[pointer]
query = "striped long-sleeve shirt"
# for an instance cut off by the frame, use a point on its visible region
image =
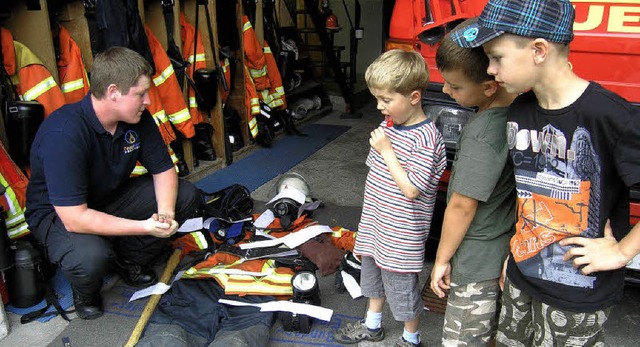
(393, 228)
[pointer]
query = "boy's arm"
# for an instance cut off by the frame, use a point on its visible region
(605, 253)
(457, 218)
(381, 143)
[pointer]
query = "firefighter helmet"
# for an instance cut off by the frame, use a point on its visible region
(294, 180)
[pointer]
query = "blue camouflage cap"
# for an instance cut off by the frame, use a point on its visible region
(548, 19)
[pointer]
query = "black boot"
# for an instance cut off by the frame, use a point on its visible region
(202, 145)
(133, 274)
(183, 169)
(87, 306)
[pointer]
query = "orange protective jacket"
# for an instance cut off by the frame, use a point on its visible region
(15, 196)
(254, 56)
(252, 103)
(74, 82)
(275, 96)
(32, 79)
(171, 96)
(187, 33)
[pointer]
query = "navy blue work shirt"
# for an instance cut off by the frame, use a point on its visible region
(74, 160)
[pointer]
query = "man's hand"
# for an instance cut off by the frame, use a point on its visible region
(379, 140)
(441, 278)
(160, 225)
(599, 254)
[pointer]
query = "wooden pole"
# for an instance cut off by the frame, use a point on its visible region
(153, 301)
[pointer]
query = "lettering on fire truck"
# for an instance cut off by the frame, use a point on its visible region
(607, 16)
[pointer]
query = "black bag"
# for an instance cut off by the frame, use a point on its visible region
(231, 203)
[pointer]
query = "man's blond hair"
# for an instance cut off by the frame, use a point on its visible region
(398, 71)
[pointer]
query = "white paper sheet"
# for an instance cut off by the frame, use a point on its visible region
(351, 284)
(158, 288)
(292, 240)
(264, 220)
(190, 225)
(291, 193)
(318, 312)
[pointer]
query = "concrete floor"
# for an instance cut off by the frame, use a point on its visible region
(336, 175)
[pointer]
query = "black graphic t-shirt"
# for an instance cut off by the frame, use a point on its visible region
(573, 167)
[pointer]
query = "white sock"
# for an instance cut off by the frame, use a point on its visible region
(373, 320)
(411, 337)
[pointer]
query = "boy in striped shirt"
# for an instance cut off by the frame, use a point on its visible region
(406, 160)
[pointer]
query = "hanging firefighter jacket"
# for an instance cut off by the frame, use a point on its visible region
(252, 103)
(162, 121)
(187, 33)
(165, 79)
(74, 82)
(275, 97)
(30, 77)
(254, 56)
(15, 195)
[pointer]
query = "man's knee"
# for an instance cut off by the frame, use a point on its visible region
(188, 201)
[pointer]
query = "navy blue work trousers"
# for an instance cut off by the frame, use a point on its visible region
(84, 258)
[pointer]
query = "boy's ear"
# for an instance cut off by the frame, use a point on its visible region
(540, 49)
(415, 97)
(489, 88)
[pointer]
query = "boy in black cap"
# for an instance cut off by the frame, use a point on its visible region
(574, 146)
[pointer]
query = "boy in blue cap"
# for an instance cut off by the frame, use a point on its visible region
(574, 146)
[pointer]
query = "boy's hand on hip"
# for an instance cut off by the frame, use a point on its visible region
(379, 140)
(594, 255)
(441, 278)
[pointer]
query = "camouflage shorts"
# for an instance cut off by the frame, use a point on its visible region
(470, 318)
(525, 321)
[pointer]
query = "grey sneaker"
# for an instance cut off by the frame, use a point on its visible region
(405, 343)
(356, 332)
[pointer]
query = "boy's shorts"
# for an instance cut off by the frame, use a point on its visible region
(401, 290)
(470, 318)
(525, 321)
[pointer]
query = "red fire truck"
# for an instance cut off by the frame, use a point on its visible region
(606, 49)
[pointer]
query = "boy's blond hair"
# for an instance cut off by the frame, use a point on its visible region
(398, 71)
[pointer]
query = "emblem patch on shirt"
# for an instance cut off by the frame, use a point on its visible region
(133, 140)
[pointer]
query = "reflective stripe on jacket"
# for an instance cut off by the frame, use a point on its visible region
(252, 103)
(74, 82)
(32, 79)
(276, 91)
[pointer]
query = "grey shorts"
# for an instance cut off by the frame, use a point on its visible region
(470, 318)
(401, 290)
(525, 322)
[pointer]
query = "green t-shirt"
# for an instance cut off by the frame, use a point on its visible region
(482, 172)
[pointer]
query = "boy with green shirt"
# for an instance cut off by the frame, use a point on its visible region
(479, 218)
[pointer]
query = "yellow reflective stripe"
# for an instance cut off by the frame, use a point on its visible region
(253, 127)
(180, 116)
(266, 97)
(276, 103)
(200, 240)
(267, 50)
(72, 85)
(280, 90)
(139, 170)
(258, 72)
(39, 89)
(199, 57)
(15, 221)
(246, 26)
(161, 78)
(160, 117)
(192, 102)
(18, 232)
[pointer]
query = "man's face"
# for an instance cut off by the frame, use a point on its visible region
(394, 105)
(462, 89)
(131, 105)
(511, 64)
